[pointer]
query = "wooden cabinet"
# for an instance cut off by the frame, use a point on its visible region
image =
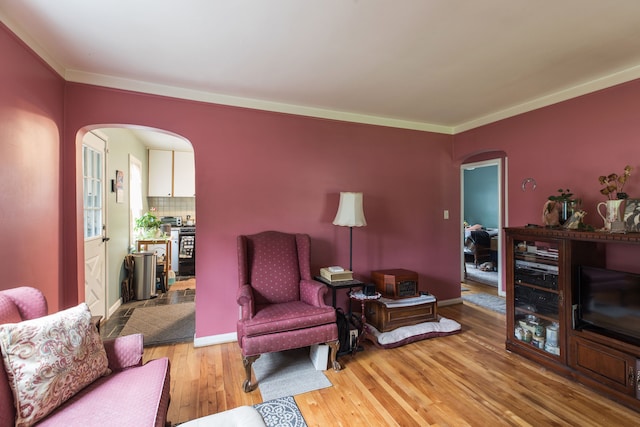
(160, 173)
(385, 318)
(543, 290)
(604, 364)
(171, 174)
(184, 174)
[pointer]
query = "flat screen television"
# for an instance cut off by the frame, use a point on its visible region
(609, 302)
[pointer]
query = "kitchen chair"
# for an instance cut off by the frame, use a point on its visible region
(282, 308)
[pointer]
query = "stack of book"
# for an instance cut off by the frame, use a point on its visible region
(335, 274)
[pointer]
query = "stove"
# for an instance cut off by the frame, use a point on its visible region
(187, 251)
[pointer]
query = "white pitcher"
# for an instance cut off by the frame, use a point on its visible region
(614, 211)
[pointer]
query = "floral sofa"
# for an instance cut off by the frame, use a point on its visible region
(56, 371)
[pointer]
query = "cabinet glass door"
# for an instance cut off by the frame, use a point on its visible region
(536, 295)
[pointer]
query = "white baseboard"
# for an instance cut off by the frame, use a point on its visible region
(114, 307)
(215, 339)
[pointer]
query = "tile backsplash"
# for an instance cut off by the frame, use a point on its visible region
(173, 206)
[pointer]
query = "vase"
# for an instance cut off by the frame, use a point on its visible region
(566, 210)
(613, 212)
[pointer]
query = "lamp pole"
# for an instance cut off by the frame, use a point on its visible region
(350, 248)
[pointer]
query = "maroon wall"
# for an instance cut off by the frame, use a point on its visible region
(567, 145)
(260, 171)
(31, 115)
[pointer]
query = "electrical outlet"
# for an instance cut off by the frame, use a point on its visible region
(446, 214)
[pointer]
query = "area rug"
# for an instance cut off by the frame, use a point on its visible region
(408, 334)
(490, 302)
(281, 412)
(182, 285)
(287, 373)
(163, 324)
(486, 277)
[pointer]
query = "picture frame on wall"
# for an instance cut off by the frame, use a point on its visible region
(632, 215)
(119, 186)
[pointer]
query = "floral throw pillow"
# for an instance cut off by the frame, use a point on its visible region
(50, 359)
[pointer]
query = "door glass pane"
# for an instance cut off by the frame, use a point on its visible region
(92, 194)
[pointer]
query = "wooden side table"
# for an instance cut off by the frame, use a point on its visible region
(144, 245)
(342, 284)
(363, 330)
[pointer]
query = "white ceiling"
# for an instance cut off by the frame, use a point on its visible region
(438, 65)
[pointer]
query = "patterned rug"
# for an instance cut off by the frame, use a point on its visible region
(281, 412)
(163, 324)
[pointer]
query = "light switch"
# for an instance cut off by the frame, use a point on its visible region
(446, 214)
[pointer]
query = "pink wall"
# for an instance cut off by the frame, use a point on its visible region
(258, 171)
(31, 114)
(567, 145)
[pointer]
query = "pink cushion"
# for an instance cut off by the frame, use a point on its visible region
(287, 317)
(132, 397)
(124, 352)
(49, 359)
(287, 340)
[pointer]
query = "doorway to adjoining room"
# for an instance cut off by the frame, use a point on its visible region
(482, 221)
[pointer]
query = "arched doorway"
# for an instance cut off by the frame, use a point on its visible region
(125, 146)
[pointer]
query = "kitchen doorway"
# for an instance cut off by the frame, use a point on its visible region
(127, 143)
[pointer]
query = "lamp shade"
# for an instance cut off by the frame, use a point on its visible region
(350, 212)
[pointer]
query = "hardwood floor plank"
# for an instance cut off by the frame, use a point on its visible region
(467, 379)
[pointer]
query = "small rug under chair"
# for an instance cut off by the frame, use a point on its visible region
(287, 373)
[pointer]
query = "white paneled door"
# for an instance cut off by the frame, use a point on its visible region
(95, 253)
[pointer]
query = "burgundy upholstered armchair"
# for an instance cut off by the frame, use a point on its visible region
(282, 308)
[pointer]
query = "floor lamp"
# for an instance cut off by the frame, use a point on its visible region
(350, 214)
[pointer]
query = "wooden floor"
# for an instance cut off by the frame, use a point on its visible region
(468, 379)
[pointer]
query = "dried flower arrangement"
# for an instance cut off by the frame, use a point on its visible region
(614, 184)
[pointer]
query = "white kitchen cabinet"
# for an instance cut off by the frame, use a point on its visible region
(184, 174)
(160, 173)
(171, 174)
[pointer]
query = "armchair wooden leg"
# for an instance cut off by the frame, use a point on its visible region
(247, 362)
(334, 346)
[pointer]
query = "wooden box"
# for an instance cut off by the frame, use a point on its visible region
(385, 319)
(396, 283)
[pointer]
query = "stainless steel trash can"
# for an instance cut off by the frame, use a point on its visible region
(144, 275)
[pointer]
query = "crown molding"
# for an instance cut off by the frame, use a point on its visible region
(236, 101)
(76, 76)
(591, 86)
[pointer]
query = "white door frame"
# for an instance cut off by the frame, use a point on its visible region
(492, 162)
(97, 300)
